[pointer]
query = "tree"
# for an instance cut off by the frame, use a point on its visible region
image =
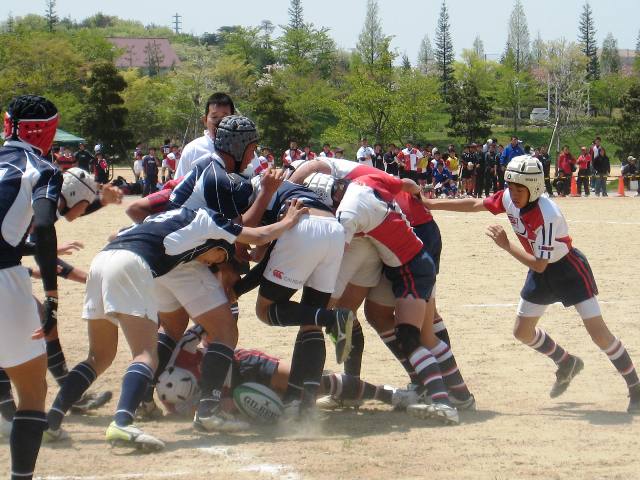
(444, 51)
(478, 47)
(610, 57)
(371, 42)
(406, 63)
(296, 14)
(537, 50)
(627, 132)
(636, 63)
(587, 39)
(50, 15)
(514, 90)
(153, 58)
(277, 123)
(517, 46)
(104, 119)
(470, 112)
(606, 93)
(425, 56)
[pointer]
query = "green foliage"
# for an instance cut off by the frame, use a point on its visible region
(627, 133)
(444, 55)
(609, 56)
(606, 93)
(277, 124)
(104, 119)
(587, 38)
(470, 111)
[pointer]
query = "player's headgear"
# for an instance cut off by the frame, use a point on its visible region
(234, 134)
(178, 388)
(33, 120)
(78, 186)
(526, 170)
(97, 148)
(322, 184)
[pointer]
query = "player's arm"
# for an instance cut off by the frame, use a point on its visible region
(266, 234)
(458, 205)
(269, 183)
(498, 235)
(410, 186)
(307, 168)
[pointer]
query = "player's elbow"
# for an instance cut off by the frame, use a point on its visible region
(539, 266)
(136, 212)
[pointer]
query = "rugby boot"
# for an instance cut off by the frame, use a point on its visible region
(634, 400)
(340, 333)
(567, 370)
(132, 436)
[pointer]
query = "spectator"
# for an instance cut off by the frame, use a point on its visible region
(499, 167)
(566, 167)
(101, 168)
(326, 151)
(168, 166)
(339, 152)
(408, 161)
(602, 167)
(65, 159)
(84, 159)
(292, 154)
(443, 182)
(491, 161)
(467, 170)
(137, 164)
(513, 150)
(630, 172)
(546, 167)
(150, 172)
(307, 154)
(595, 151)
(584, 170)
(365, 153)
(454, 164)
(378, 157)
(390, 160)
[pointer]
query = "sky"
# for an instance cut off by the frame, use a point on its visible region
(406, 20)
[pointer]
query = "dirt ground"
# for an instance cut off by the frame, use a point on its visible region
(518, 432)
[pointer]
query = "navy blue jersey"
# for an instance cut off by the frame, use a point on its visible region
(209, 185)
(290, 191)
(177, 236)
(24, 178)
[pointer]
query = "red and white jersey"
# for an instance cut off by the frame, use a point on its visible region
(328, 154)
(342, 168)
(290, 156)
(261, 163)
(368, 208)
(410, 157)
(414, 210)
(541, 229)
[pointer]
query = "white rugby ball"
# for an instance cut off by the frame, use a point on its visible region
(258, 402)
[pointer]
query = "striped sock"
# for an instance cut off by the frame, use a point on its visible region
(544, 344)
(450, 372)
(26, 437)
(353, 364)
(78, 381)
(134, 385)
(428, 371)
(235, 311)
(390, 340)
(294, 385)
(215, 366)
(56, 363)
(165, 347)
(7, 405)
(313, 355)
(440, 329)
(621, 360)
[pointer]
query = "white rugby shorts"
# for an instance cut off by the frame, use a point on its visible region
(192, 286)
(119, 281)
(19, 318)
(361, 266)
(309, 254)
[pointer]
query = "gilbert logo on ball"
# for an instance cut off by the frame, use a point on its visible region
(258, 402)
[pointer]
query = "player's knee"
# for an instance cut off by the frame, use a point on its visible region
(409, 338)
(262, 312)
(101, 359)
(379, 317)
(523, 332)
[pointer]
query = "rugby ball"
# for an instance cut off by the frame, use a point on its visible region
(258, 402)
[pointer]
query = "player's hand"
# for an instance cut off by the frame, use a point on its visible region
(295, 210)
(498, 235)
(272, 179)
(242, 252)
(68, 248)
(110, 194)
(50, 316)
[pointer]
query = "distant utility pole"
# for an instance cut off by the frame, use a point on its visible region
(177, 23)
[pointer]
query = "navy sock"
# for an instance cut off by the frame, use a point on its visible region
(7, 405)
(291, 314)
(134, 384)
(26, 437)
(56, 363)
(353, 364)
(215, 366)
(166, 345)
(78, 381)
(390, 340)
(294, 385)
(313, 355)
(235, 311)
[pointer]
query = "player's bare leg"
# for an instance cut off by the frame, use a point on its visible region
(29, 420)
(618, 355)
(526, 330)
